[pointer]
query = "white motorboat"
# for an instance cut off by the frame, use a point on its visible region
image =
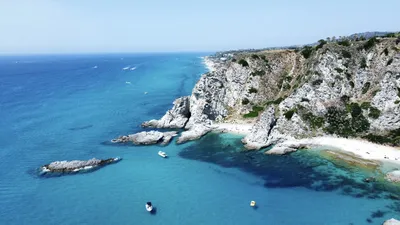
(149, 207)
(162, 154)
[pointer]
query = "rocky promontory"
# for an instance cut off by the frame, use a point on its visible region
(346, 87)
(76, 165)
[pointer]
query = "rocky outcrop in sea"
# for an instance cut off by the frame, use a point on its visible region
(348, 88)
(147, 138)
(76, 165)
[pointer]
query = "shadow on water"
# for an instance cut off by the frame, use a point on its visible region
(299, 169)
(80, 128)
(154, 211)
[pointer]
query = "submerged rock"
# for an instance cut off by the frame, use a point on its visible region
(147, 138)
(393, 176)
(286, 147)
(76, 165)
(391, 222)
(174, 118)
(350, 159)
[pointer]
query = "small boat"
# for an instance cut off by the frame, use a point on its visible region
(252, 203)
(149, 207)
(162, 154)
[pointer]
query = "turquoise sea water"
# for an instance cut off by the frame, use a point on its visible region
(69, 107)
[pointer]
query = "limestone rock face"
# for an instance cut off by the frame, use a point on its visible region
(173, 118)
(291, 96)
(261, 130)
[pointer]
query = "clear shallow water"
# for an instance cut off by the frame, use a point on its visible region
(68, 107)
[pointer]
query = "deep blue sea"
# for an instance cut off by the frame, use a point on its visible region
(67, 107)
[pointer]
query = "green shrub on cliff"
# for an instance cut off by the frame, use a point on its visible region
(365, 105)
(251, 114)
(374, 112)
(243, 63)
(254, 56)
(344, 43)
(378, 139)
(363, 63)
(286, 87)
(392, 137)
(354, 109)
(258, 73)
(375, 91)
(341, 124)
(276, 101)
(386, 51)
(254, 112)
(345, 99)
(321, 42)
(314, 121)
(339, 70)
(289, 114)
(370, 43)
(306, 52)
(252, 90)
(288, 78)
(366, 87)
(245, 101)
(317, 82)
(346, 54)
(389, 62)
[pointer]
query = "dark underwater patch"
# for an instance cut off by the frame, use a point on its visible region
(53, 174)
(378, 214)
(80, 128)
(299, 169)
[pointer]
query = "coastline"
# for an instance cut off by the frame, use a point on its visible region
(209, 64)
(360, 148)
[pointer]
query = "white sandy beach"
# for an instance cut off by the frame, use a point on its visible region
(242, 129)
(361, 148)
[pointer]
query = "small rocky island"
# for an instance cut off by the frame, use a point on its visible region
(75, 166)
(147, 138)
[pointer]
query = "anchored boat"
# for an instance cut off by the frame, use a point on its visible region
(162, 154)
(149, 207)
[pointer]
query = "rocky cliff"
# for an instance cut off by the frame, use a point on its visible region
(349, 88)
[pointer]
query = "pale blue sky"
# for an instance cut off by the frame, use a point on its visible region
(68, 26)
